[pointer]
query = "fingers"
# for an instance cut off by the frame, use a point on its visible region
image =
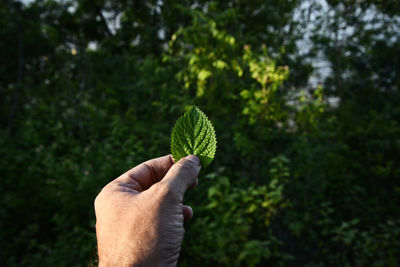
(182, 175)
(147, 173)
(187, 212)
(192, 186)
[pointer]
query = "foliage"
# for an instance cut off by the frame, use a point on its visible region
(233, 226)
(193, 133)
(307, 170)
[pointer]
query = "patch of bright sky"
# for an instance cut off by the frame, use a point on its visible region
(27, 1)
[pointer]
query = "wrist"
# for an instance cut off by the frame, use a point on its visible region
(129, 261)
(117, 259)
(118, 262)
(124, 263)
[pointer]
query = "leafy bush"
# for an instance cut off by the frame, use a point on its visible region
(296, 181)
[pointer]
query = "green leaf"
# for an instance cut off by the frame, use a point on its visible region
(193, 133)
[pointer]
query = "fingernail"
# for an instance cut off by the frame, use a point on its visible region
(193, 159)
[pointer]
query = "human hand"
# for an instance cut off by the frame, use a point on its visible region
(140, 214)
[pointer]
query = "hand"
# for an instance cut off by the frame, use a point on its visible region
(140, 214)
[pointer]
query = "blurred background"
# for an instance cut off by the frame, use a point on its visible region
(304, 96)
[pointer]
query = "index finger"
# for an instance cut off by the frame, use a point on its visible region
(147, 173)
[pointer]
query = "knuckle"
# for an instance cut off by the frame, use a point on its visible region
(162, 189)
(98, 202)
(187, 169)
(167, 190)
(102, 196)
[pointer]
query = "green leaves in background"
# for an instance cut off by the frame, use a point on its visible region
(193, 133)
(310, 155)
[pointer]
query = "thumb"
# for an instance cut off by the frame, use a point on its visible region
(182, 175)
